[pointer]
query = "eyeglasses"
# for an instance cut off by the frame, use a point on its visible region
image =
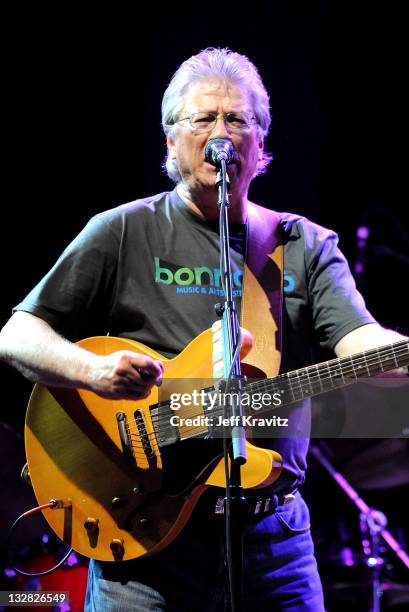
(205, 122)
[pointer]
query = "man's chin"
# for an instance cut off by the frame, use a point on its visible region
(211, 174)
(206, 181)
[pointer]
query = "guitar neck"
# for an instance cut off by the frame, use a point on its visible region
(336, 373)
(292, 387)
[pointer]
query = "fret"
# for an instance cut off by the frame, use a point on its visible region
(317, 370)
(394, 356)
(290, 386)
(303, 381)
(366, 364)
(354, 374)
(282, 388)
(309, 381)
(298, 382)
(380, 360)
(336, 376)
(330, 379)
(359, 367)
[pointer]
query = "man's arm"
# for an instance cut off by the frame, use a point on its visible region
(364, 338)
(367, 337)
(39, 353)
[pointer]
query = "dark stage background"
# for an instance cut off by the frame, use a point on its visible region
(81, 133)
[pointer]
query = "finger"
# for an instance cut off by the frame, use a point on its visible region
(126, 395)
(149, 369)
(149, 377)
(144, 361)
(129, 389)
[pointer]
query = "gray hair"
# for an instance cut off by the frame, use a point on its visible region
(209, 64)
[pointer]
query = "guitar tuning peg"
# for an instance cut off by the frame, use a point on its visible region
(118, 548)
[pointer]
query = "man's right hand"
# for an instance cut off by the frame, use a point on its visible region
(39, 353)
(124, 375)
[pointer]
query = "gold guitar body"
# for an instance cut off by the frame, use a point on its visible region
(109, 507)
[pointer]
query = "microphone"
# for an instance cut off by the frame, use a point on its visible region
(218, 149)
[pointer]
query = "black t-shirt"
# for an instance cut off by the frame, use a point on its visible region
(149, 270)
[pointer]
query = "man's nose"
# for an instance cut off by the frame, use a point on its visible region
(220, 129)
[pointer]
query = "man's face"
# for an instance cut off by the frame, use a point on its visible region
(188, 147)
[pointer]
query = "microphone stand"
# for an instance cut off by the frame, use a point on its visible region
(235, 501)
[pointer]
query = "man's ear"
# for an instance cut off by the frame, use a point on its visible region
(170, 141)
(260, 149)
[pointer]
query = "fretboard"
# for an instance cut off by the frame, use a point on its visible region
(293, 386)
(313, 380)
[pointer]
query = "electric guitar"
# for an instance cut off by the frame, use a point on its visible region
(125, 477)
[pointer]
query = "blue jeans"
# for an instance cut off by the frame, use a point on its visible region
(280, 571)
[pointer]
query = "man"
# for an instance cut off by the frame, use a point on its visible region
(123, 275)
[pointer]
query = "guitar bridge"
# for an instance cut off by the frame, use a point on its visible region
(125, 437)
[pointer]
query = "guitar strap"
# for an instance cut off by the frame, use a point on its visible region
(262, 298)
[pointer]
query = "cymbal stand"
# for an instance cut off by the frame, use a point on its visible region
(373, 522)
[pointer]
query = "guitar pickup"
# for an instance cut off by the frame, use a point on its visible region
(143, 434)
(166, 434)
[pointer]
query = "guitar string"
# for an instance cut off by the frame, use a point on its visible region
(303, 383)
(302, 380)
(333, 365)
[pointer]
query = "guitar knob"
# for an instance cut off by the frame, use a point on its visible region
(91, 524)
(144, 522)
(118, 548)
(118, 502)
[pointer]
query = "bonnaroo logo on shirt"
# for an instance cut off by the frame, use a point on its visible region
(203, 280)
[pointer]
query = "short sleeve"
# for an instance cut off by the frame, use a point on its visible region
(337, 307)
(74, 297)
